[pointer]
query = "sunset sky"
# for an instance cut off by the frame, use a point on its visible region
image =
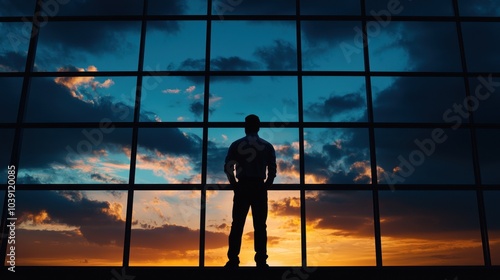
(86, 228)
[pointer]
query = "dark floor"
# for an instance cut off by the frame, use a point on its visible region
(278, 273)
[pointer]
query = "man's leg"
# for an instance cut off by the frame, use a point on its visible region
(239, 215)
(259, 213)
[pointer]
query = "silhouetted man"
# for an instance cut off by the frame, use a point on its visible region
(252, 157)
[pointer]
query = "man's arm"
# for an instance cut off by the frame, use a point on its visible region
(229, 166)
(271, 167)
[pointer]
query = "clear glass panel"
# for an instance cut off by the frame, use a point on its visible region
(284, 140)
(337, 156)
(340, 228)
(172, 99)
(233, 50)
(385, 9)
(75, 155)
(222, 8)
(485, 99)
(166, 229)
(481, 48)
(6, 144)
(413, 46)
(334, 99)
(283, 229)
(430, 228)
(490, 8)
(416, 99)
(17, 8)
(70, 46)
(175, 45)
(492, 206)
(273, 99)
(332, 45)
(192, 7)
(70, 228)
(81, 99)
(14, 45)
(424, 156)
(487, 146)
(169, 155)
(9, 98)
(330, 7)
(94, 7)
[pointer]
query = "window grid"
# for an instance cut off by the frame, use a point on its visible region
(375, 187)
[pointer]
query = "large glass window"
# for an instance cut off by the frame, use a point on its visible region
(383, 115)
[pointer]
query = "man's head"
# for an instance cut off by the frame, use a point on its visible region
(252, 124)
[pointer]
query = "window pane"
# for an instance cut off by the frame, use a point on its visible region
(481, 56)
(334, 99)
(424, 156)
(329, 7)
(487, 145)
(6, 144)
(69, 46)
(274, 50)
(70, 228)
(413, 46)
(169, 155)
(172, 99)
(166, 229)
(284, 140)
(332, 45)
(283, 229)
(95, 8)
(485, 99)
(336, 156)
(75, 156)
(389, 8)
(430, 228)
(81, 99)
(340, 228)
(417, 99)
(14, 45)
(9, 98)
(492, 205)
(166, 45)
(255, 7)
(162, 7)
(273, 99)
(17, 8)
(488, 8)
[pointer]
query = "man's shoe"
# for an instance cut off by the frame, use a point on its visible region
(262, 265)
(232, 264)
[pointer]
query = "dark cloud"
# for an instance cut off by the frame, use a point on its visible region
(479, 8)
(428, 213)
(232, 63)
(17, 8)
(96, 220)
(418, 99)
(254, 7)
(174, 237)
(280, 56)
(481, 46)
(336, 105)
(323, 35)
(12, 62)
(342, 158)
(409, 8)
(328, 7)
(350, 212)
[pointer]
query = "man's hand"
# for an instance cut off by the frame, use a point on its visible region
(269, 182)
